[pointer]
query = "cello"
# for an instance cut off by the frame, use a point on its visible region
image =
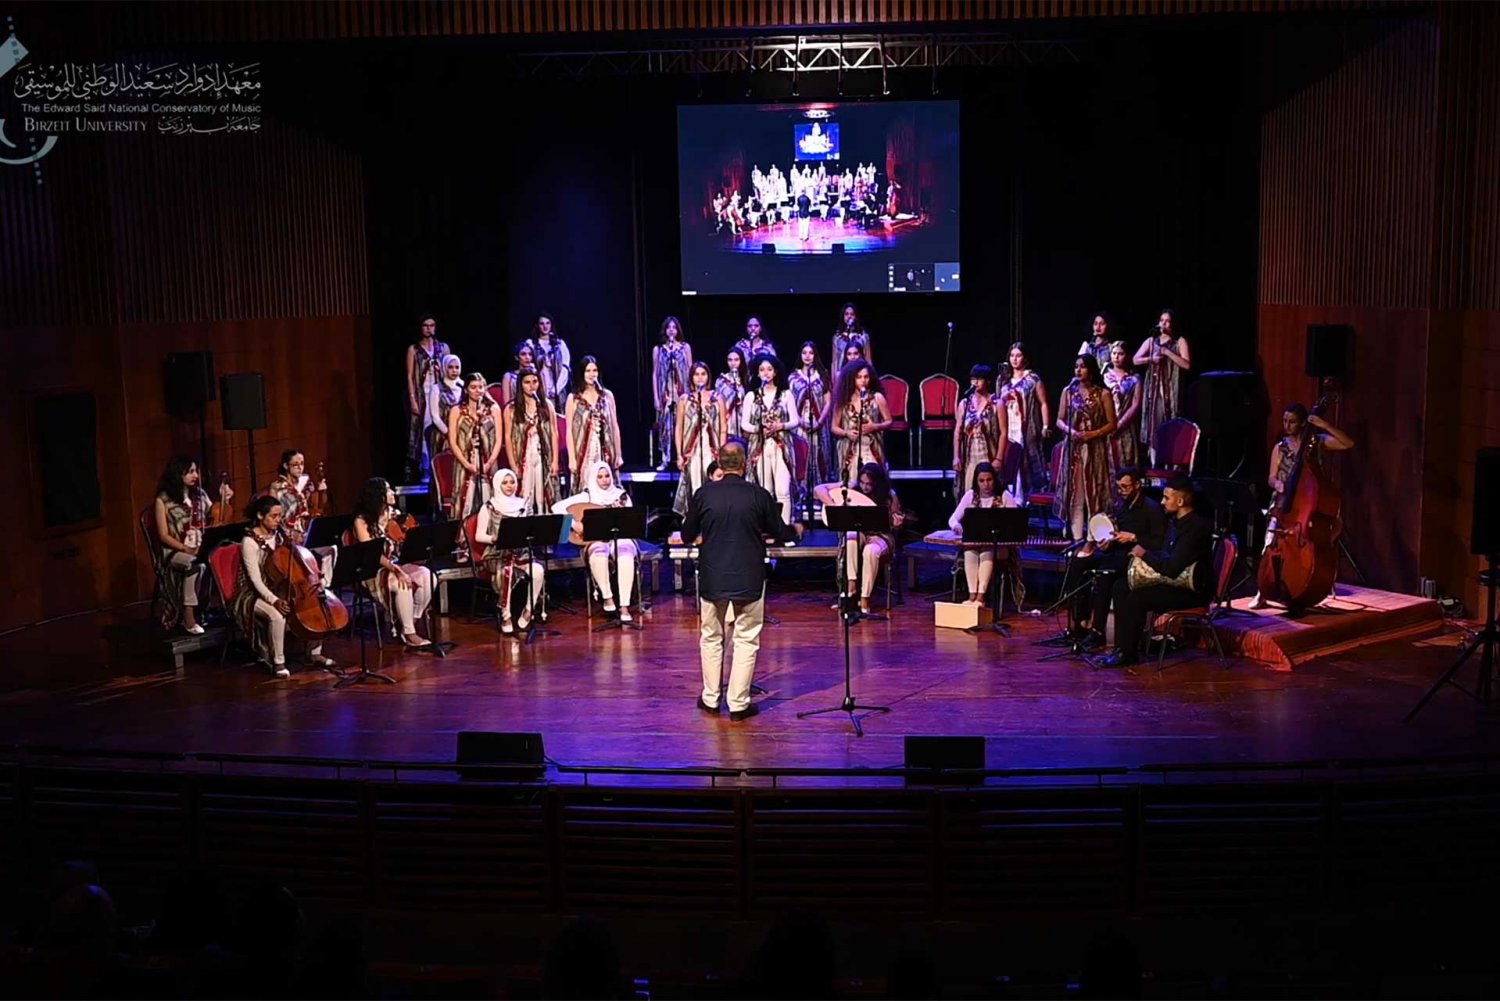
(1298, 568)
(292, 572)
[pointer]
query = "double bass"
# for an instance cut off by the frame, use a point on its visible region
(292, 572)
(1299, 566)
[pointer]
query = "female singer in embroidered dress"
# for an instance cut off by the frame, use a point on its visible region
(553, 360)
(701, 424)
(1028, 423)
(442, 396)
(1098, 344)
(979, 564)
(601, 490)
(474, 437)
(524, 360)
(852, 354)
(753, 344)
(768, 417)
(593, 423)
(851, 331)
(1086, 416)
(670, 362)
(732, 382)
(981, 432)
(508, 567)
(423, 360)
(811, 392)
(182, 512)
(406, 587)
(873, 549)
(531, 442)
(860, 418)
(1125, 386)
(260, 613)
(1165, 357)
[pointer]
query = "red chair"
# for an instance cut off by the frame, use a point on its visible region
(897, 397)
(147, 523)
(1176, 623)
(442, 478)
(482, 578)
(224, 567)
(1174, 450)
(1045, 498)
(497, 393)
(939, 395)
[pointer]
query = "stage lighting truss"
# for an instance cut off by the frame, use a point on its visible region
(797, 54)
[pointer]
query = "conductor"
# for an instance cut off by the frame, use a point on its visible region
(733, 518)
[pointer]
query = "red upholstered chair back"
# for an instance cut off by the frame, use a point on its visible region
(939, 395)
(1224, 555)
(442, 476)
(476, 549)
(497, 393)
(224, 562)
(897, 396)
(1176, 443)
(800, 453)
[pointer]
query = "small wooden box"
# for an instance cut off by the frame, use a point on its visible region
(958, 615)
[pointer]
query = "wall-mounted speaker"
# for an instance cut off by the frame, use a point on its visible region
(1484, 535)
(189, 382)
(1328, 348)
(244, 406)
(519, 756)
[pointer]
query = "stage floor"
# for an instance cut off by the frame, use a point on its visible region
(616, 698)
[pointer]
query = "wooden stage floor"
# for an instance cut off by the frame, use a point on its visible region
(616, 698)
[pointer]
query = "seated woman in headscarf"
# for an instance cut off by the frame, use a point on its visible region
(601, 491)
(508, 567)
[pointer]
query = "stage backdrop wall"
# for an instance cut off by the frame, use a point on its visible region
(1377, 211)
(251, 248)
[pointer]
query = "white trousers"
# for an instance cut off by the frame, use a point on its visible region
(274, 624)
(979, 564)
(599, 567)
(518, 574)
(772, 473)
(874, 552)
(411, 602)
(749, 617)
(191, 575)
(804, 223)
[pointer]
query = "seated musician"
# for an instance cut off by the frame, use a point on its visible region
(508, 567)
(1138, 521)
(602, 492)
(182, 513)
(871, 548)
(1294, 421)
(260, 613)
(1189, 545)
(979, 564)
(299, 494)
(406, 586)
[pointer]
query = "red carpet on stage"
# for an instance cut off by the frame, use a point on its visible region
(1353, 617)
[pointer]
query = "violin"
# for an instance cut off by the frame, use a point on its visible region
(221, 512)
(1299, 566)
(398, 525)
(292, 572)
(317, 499)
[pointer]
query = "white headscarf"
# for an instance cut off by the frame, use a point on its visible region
(513, 506)
(591, 486)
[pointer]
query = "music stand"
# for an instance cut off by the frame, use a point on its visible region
(328, 530)
(611, 524)
(357, 564)
(219, 535)
(432, 545)
(843, 519)
(1231, 499)
(1001, 526)
(523, 533)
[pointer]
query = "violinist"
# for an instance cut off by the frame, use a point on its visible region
(406, 587)
(1294, 422)
(261, 614)
(298, 495)
(182, 512)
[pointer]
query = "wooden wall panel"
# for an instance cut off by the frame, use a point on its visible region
(1384, 411)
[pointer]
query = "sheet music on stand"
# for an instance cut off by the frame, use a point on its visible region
(532, 534)
(432, 545)
(611, 524)
(999, 526)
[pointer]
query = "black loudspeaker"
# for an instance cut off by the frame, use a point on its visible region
(67, 451)
(189, 382)
(1484, 536)
(943, 752)
(244, 404)
(838, 248)
(1328, 347)
(520, 753)
(1222, 402)
(768, 248)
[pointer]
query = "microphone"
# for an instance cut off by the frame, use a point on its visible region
(950, 328)
(1074, 545)
(1073, 381)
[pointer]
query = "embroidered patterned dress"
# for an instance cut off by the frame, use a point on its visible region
(702, 434)
(671, 372)
(1085, 465)
(808, 390)
(476, 441)
(531, 456)
(978, 440)
(1024, 427)
(731, 390)
(186, 521)
(1160, 393)
(859, 448)
(1124, 444)
(428, 370)
(591, 436)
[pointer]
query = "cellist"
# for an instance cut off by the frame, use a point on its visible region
(260, 613)
(1294, 421)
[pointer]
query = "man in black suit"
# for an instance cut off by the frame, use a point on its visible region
(734, 518)
(1189, 544)
(1139, 521)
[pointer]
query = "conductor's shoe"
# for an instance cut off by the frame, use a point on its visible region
(739, 714)
(706, 708)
